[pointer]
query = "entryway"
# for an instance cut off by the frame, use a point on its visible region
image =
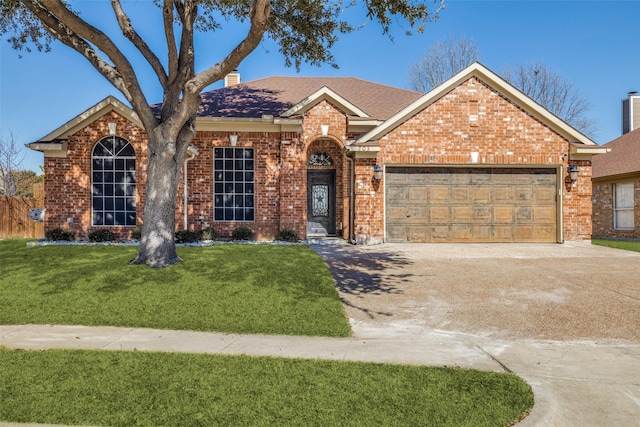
(321, 202)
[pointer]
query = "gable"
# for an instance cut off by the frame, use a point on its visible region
(497, 84)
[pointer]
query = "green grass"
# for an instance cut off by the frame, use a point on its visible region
(270, 289)
(156, 389)
(628, 245)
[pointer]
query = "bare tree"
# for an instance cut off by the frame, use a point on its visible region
(554, 92)
(10, 163)
(441, 61)
(304, 29)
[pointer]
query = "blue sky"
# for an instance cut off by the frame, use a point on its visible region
(594, 44)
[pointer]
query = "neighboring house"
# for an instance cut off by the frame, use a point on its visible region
(474, 160)
(616, 188)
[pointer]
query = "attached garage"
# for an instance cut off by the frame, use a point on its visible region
(471, 204)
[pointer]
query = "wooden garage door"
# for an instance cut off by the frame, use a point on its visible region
(470, 205)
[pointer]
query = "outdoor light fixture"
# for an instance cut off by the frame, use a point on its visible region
(112, 128)
(233, 139)
(573, 173)
(377, 172)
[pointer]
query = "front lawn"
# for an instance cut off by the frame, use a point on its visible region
(269, 289)
(628, 245)
(169, 389)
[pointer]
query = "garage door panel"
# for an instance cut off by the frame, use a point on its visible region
(438, 193)
(503, 214)
(477, 204)
(440, 214)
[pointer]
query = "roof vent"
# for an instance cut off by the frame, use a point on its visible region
(232, 79)
(633, 93)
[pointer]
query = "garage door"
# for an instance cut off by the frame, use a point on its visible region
(470, 205)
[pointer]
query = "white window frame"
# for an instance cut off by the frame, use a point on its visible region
(626, 206)
(234, 184)
(121, 193)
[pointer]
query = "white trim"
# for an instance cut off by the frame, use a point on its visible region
(324, 93)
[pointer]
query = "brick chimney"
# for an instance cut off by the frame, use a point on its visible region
(631, 112)
(232, 79)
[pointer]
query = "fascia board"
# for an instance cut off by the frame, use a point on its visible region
(497, 83)
(240, 124)
(585, 152)
(101, 108)
(324, 93)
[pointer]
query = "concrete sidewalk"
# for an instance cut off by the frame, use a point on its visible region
(573, 383)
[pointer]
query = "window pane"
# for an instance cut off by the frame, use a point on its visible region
(97, 203)
(108, 189)
(97, 190)
(97, 164)
(120, 218)
(624, 195)
(239, 213)
(249, 215)
(108, 164)
(108, 218)
(131, 219)
(624, 219)
(108, 203)
(98, 218)
(120, 189)
(119, 204)
(219, 214)
(119, 164)
(97, 177)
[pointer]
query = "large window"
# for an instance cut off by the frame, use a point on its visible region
(113, 182)
(623, 206)
(234, 184)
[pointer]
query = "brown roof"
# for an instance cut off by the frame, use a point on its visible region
(275, 95)
(624, 157)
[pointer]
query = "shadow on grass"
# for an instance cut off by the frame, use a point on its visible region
(356, 271)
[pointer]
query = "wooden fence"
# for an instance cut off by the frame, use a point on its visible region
(14, 216)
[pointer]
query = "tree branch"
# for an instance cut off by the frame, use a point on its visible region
(131, 34)
(167, 14)
(78, 29)
(259, 14)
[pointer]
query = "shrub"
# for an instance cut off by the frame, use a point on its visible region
(287, 236)
(209, 234)
(136, 233)
(102, 235)
(187, 236)
(58, 234)
(243, 233)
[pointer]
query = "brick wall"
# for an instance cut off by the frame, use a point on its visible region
(68, 180)
(603, 224)
(474, 118)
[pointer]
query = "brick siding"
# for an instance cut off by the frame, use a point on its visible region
(471, 118)
(602, 200)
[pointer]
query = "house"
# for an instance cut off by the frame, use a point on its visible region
(616, 179)
(474, 160)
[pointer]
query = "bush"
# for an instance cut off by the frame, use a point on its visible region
(243, 233)
(102, 235)
(136, 233)
(58, 234)
(209, 234)
(187, 236)
(287, 236)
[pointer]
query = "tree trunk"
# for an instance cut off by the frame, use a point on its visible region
(157, 244)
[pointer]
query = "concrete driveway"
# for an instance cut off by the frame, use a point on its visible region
(565, 317)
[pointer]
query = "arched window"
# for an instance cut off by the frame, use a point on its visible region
(113, 182)
(320, 159)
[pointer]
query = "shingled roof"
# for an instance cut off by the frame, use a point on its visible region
(275, 95)
(624, 157)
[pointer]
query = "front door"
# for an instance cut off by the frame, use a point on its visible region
(321, 202)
